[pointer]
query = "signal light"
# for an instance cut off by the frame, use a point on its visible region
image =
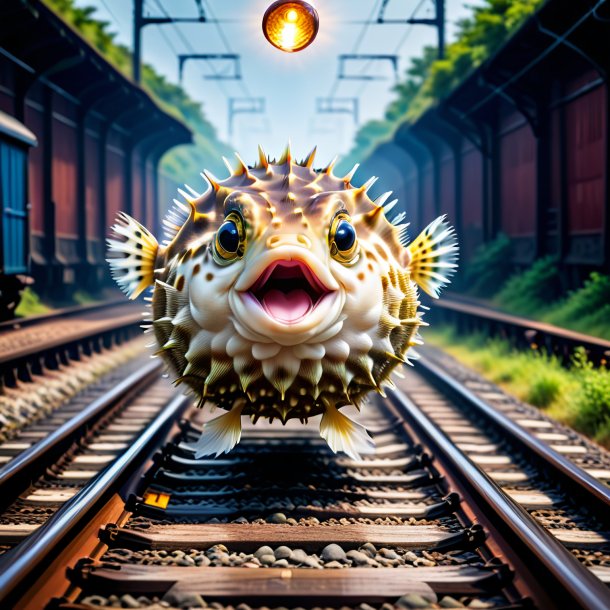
(290, 25)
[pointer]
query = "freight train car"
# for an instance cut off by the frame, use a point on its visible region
(100, 140)
(521, 147)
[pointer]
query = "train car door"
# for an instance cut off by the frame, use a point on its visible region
(15, 139)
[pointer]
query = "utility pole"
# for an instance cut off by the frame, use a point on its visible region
(440, 24)
(139, 21)
(138, 8)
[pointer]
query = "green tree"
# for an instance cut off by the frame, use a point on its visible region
(429, 80)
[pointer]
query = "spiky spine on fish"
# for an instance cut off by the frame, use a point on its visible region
(222, 358)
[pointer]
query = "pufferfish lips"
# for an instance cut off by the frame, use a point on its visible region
(288, 288)
(288, 291)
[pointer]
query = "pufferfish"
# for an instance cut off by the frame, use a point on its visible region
(283, 292)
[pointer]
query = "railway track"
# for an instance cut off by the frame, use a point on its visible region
(90, 310)
(36, 482)
(504, 409)
(514, 452)
(471, 316)
(67, 409)
(46, 342)
(56, 367)
(429, 521)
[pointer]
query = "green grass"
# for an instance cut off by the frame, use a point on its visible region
(531, 292)
(488, 268)
(30, 304)
(586, 309)
(538, 292)
(81, 297)
(578, 395)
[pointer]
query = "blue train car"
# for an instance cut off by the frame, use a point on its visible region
(15, 140)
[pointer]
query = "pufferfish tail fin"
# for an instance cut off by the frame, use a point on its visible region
(434, 253)
(219, 435)
(136, 250)
(344, 434)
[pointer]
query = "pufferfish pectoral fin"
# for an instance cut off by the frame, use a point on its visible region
(135, 252)
(433, 255)
(219, 435)
(344, 434)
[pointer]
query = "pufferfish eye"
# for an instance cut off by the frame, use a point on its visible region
(342, 239)
(345, 236)
(228, 236)
(229, 243)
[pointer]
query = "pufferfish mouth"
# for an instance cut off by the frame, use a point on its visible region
(288, 291)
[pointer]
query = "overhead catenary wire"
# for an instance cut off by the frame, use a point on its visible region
(242, 85)
(399, 45)
(409, 27)
(189, 47)
(225, 41)
(357, 43)
(111, 13)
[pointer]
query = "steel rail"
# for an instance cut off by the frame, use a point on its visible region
(17, 474)
(68, 341)
(523, 331)
(567, 581)
(595, 494)
(20, 566)
(58, 314)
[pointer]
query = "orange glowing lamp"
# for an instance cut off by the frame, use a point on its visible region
(290, 25)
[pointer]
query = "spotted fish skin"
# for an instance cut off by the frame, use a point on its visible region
(285, 324)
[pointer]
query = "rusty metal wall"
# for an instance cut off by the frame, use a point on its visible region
(150, 201)
(472, 199)
(447, 184)
(115, 189)
(64, 176)
(92, 184)
(137, 209)
(34, 122)
(517, 167)
(167, 192)
(586, 144)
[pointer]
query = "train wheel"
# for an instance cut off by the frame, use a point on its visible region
(11, 287)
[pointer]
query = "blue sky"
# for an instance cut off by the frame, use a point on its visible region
(290, 83)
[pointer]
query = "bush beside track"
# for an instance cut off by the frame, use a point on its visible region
(538, 292)
(577, 395)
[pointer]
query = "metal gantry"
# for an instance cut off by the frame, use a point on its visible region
(346, 58)
(244, 105)
(233, 58)
(346, 105)
(338, 105)
(438, 22)
(139, 22)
